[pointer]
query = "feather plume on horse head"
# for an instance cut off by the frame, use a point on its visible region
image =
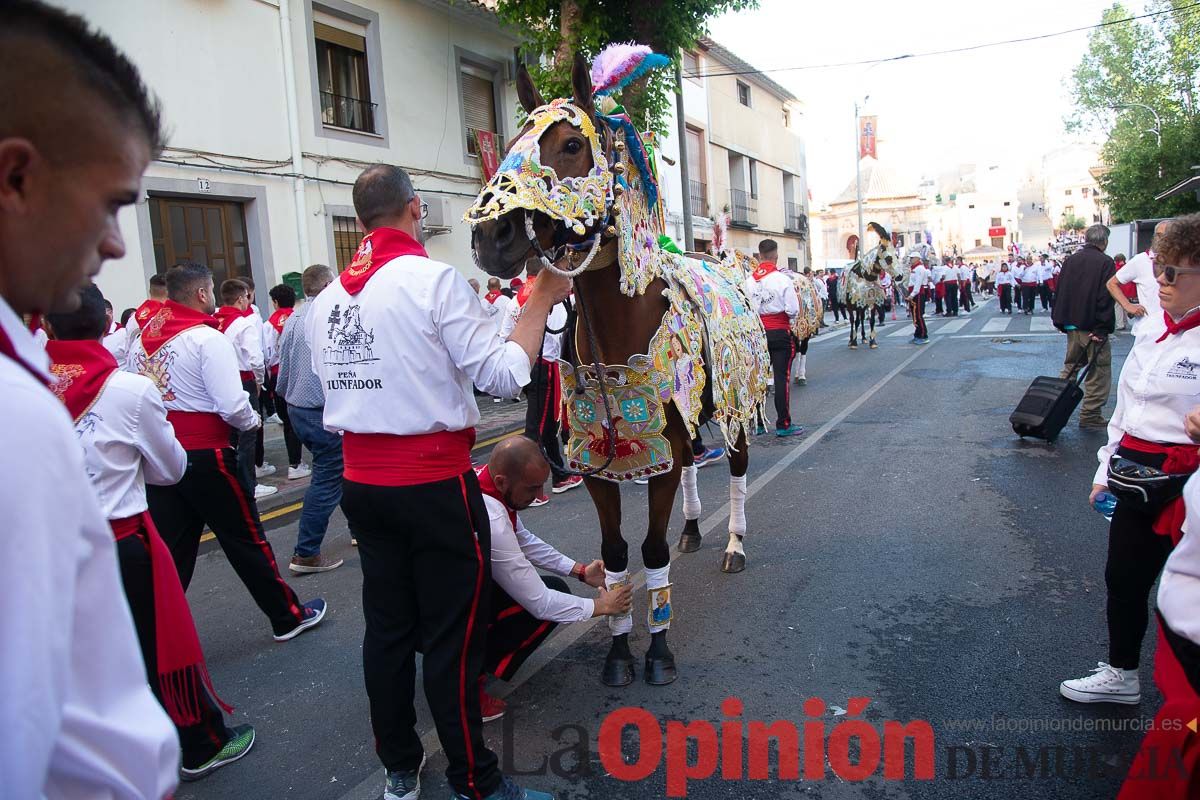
(619, 65)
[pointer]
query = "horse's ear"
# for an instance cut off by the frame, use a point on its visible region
(581, 83)
(527, 93)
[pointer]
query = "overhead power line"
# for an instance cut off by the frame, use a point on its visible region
(909, 56)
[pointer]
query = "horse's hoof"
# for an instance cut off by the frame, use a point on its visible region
(874, 346)
(732, 563)
(617, 672)
(689, 542)
(660, 670)
(853, 345)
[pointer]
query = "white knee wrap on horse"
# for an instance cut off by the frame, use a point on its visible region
(737, 505)
(691, 495)
(803, 361)
(659, 612)
(624, 624)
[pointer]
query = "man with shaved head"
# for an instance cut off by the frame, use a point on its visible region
(527, 607)
(77, 129)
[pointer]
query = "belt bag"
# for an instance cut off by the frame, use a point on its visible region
(1143, 486)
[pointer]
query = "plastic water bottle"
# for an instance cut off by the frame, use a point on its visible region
(1105, 503)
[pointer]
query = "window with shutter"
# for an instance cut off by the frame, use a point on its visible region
(479, 105)
(343, 78)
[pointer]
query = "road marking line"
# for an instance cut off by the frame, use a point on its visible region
(954, 326)
(1040, 324)
(1013, 336)
(567, 636)
(275, 513)
(997, 324)
(904, 331)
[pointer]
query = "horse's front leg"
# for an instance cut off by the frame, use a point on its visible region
(873, 343)
(606, 496)
(656, 555)
(734, 558)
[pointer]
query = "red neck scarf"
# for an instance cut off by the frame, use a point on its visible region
(525, 290)
(7, 349)
(493, 296)
(488, 487)
(279, 317)
(82, 369)
(147, 310)
(764, 269)
(225, 316)
(1186, 324)
(378, 248)
(170, 321)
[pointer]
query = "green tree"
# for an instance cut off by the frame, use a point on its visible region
(1153, 63)
(555, 29)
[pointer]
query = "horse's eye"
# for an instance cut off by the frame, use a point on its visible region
(573, 146)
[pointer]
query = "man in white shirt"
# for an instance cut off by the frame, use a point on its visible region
(965, 274)
(153, 302)
(1139, 271)
(773, 297)
(496, 303)
(243, 328)
(122, 427)
(918, 288)
(196, 371)
(77, 129)
(397, 341)
(526, 607)
(543, 409)
(1046, 274)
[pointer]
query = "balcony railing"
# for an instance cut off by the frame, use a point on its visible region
(794, 218)
(348, 112)
(743, 209)
(698, 198)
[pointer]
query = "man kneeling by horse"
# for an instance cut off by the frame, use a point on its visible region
(526, 607)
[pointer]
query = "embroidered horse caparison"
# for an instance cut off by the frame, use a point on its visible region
(676, 342)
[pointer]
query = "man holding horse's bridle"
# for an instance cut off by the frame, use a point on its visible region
(399, 387)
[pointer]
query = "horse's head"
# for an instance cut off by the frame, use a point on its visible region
(554, 190)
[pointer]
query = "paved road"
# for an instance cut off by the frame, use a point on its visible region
(909, 549)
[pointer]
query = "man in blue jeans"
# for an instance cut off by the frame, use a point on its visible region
(301, 389)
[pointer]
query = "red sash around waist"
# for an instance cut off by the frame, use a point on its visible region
(776, 322)
(200, 430)
(274, 371)
(246, 375)
(1181, 459)
(384, 459)
(1029, 283)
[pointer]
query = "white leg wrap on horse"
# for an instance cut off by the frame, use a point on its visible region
(737, 505)
(618, 625)
(803, 361)
(691, 495)
(659, 612)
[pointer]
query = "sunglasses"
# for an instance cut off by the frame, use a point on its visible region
(1169, 273)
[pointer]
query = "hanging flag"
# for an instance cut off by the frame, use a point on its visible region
(489, 159)
(866, 137)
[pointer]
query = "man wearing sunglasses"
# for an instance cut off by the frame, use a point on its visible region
(1084, 311)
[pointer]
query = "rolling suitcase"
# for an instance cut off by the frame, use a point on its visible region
(1047, 405)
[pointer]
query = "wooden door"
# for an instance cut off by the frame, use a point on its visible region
(211, 232)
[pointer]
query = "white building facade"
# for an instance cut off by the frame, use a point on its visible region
(274, 107)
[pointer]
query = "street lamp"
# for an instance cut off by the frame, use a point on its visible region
(1156, 130)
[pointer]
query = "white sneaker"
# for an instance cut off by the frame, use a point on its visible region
(1106, 684)
(265, 470)
(262, 490)
(296, 473)
(273, 419)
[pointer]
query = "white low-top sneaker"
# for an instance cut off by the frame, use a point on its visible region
(1106, 684)
(263, 490)
(296, 473)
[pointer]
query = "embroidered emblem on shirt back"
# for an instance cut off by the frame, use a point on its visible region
(158, 369)
(65, 375)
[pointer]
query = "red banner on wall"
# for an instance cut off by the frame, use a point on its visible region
(489, 159)
(866, 137)
(996, 231)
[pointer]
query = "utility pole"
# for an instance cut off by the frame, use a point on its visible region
(858, 177)
(688, 241)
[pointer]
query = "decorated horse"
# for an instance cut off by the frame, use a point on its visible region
(860, 288)
(663, 341)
